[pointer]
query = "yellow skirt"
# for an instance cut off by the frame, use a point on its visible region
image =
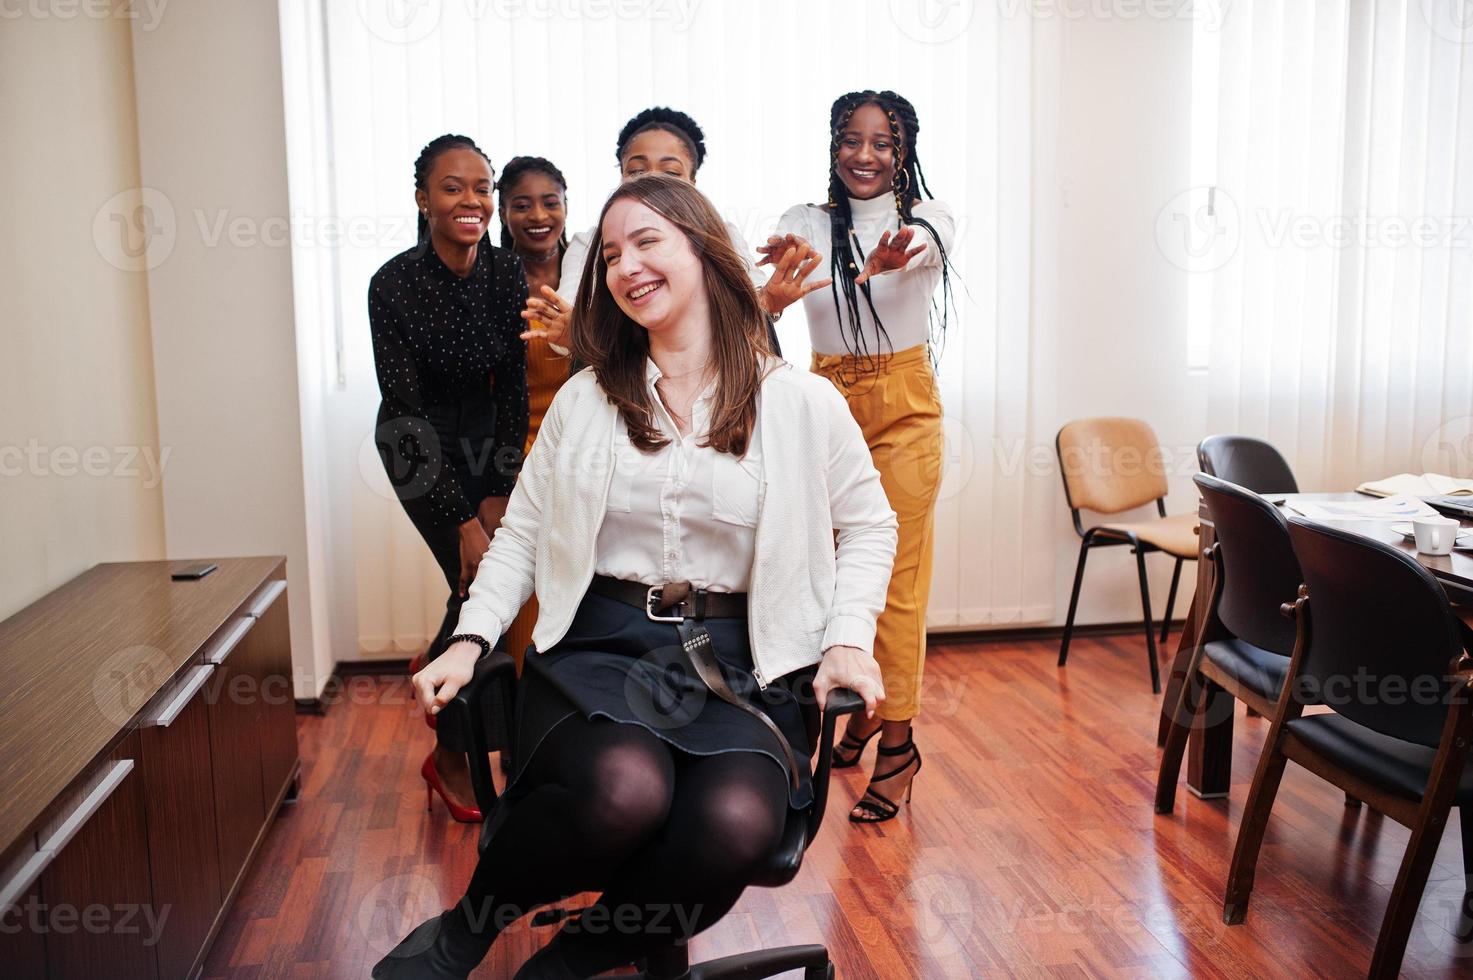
(546, 372)
(899, 411)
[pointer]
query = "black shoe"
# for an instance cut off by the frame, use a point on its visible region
(841, 759)
(442, 948)
(876, 808)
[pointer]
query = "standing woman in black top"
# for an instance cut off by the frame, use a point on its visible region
(452, 368)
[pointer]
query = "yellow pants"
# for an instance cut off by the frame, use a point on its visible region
(899, 412)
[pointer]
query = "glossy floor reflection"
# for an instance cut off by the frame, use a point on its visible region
(1031, 849)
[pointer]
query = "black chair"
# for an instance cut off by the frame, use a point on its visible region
(1244, 641)
(1248, 462)
(1377, 643)
(465, 724)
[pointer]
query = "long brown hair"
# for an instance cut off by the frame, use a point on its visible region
(615, 346)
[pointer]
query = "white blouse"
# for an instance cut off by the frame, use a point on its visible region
(684, 512)
(903, 299)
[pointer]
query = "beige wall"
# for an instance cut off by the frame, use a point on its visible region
(79, 446)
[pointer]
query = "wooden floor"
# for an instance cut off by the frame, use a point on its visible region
(1031, 849)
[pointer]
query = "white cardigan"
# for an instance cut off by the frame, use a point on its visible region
(806, 594)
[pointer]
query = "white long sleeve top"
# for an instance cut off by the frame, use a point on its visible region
(807, 591)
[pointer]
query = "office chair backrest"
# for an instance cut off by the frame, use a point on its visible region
(1110, 464)
(1248, 462)
(1382, 638)
(1259, 570)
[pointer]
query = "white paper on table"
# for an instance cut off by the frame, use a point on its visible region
(1413, 485)
(1398, 508)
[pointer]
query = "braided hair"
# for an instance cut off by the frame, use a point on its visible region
(672, 121)
(426, 162)
(516, 168)
(907, 185)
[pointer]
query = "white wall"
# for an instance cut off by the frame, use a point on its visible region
(213, 152)
(79, 447)
(1120, 349)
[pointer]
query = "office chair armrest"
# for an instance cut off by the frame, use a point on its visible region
(463, 724)
(841, 702)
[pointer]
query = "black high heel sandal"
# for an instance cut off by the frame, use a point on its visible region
(442, 948)
(876, 808)
(851, 744)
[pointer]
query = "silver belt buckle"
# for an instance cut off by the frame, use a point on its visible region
(653, 596)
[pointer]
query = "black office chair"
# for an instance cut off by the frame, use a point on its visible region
(1244, 641)
(1377, 643)
(474, 712)
(1248, 462)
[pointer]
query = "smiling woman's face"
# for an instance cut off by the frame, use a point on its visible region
(458, 196)
(534, 213)
(653, 270)
(866, 156)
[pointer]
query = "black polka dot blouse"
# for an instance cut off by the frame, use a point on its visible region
(452, 370)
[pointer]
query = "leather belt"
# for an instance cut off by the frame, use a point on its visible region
(695, 640)
(658, 600)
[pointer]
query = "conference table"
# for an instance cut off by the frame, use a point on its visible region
(1210, 748)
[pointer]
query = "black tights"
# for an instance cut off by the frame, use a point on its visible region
(671, 838)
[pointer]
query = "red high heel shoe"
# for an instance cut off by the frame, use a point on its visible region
(433, 785)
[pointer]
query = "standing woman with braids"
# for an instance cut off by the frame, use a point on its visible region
(887, 252)
(532, 195)
(452, 369)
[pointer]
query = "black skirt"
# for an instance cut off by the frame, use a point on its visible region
(617, 663)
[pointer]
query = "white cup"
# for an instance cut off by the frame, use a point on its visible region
(1435, 535)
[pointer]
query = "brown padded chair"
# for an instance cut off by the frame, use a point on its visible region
(1111, 465)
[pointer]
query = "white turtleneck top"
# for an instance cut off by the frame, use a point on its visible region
(902, 298)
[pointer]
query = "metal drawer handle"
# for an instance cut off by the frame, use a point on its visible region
(196, 680)
(90, 804)
(23, 879)
(266, 598)
(227, 645)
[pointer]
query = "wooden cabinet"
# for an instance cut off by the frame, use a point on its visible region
(234, 749)
(269, 654)
(100, 914)
(147, 737)
(179, 796)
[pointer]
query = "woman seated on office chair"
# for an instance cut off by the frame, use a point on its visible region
(689, 474)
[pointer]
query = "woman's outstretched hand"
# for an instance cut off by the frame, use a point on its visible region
(552, 311)
(444, 676)
(849, 667)
(891, 254)
(795, 262)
